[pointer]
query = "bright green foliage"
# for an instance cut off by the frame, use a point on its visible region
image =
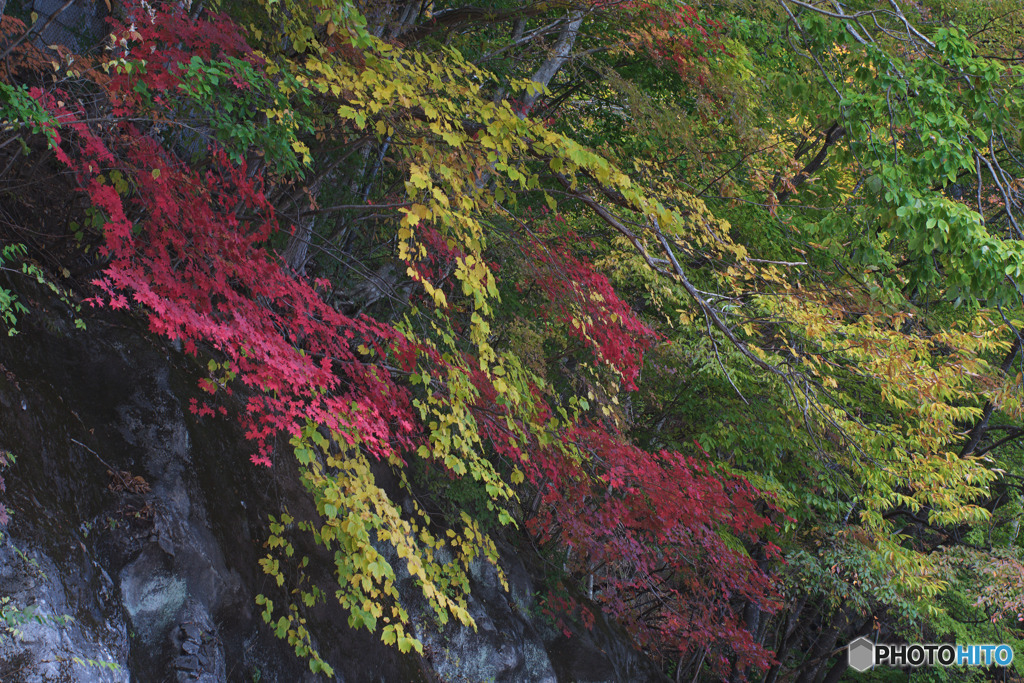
(20, 110)
(10, 306)
(261, 115)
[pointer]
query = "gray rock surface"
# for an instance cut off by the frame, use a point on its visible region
(51, 647)
(79, 26)
(506, 646)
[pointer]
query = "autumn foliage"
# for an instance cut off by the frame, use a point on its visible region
(678, 324)
(192, 247)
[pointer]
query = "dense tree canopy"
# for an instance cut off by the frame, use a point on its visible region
(711, 308)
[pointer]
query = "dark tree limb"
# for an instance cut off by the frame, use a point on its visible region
(831, 136)
(977, 433)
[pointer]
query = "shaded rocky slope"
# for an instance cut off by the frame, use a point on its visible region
(158, 566)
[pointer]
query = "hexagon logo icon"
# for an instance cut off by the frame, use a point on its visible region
(862, 654)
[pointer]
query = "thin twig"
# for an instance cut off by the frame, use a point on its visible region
(104, 462)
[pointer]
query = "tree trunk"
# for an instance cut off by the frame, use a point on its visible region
(558, 58)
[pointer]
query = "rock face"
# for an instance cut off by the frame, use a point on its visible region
(507, 645)
(144, 526)
(78, 25)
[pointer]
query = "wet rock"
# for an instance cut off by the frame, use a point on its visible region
(188, 663)
(79, 25)
(505, 646)
(49, 646)
(152, 596)
(192, 632)
(200, 653)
